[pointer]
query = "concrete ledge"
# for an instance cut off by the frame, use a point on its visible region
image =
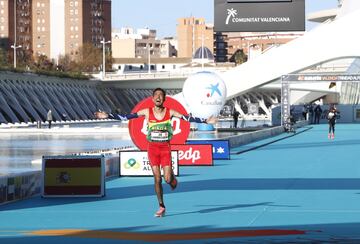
(19, 186)
(249, 137)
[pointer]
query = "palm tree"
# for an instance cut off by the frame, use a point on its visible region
(231, 13)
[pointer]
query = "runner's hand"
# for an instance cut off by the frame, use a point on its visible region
(101, 115)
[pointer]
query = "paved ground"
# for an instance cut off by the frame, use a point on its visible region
(300, 189)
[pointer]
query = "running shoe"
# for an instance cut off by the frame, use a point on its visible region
(332, 136)
(173, 183)
(160, 212)
(329, 136)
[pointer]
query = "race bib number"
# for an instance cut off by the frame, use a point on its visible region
(159, 136)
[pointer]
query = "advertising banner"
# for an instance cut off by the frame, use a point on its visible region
(3, 189)
(259, 15)
(136, 163)
(285, 103)
(194, 155)
(220, 148)
(112, 165)
(73, 175)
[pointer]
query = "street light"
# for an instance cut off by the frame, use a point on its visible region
(203, 49)
(103, 66)
(15, 47)
(149, 64)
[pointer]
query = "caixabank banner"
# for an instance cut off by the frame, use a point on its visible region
(259, 15)
(75, 175)
(194, 155)
(220, 148)
(136, 163)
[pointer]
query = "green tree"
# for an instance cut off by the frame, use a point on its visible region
(239, 57)
(43, 63)
(3, 58)
(66, 64)
(90, 58)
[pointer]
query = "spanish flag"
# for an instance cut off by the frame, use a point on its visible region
(332, 84)
(72, 176)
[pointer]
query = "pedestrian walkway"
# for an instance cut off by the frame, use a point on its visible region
(300, 189)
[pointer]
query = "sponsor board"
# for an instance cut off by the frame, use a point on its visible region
(3, 189)
(136, 163)
(220, 148)
(111, 165)
(194, 155)
(75, 175)
(259, 15)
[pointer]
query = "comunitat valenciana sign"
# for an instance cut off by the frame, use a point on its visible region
(259, 15)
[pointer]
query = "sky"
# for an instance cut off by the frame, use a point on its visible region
(162, 15)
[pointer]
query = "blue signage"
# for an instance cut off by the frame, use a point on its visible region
(220, 150)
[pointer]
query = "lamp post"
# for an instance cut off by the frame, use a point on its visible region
(15, 47)
(149, 64)
(103, 65)
(202, 49)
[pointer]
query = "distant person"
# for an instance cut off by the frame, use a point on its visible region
(318, 111)
(332, 120)
(49, 118)
(310, 110)
(304, 112)
(236, 117)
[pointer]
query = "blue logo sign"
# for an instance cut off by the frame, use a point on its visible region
(213, 89)
(220, 150)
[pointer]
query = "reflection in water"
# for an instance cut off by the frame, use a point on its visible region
(17, 150)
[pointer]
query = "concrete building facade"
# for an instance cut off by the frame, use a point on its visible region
(54, 27)
(126, 43)
(192, 33)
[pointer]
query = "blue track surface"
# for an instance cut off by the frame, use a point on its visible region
(303, 188)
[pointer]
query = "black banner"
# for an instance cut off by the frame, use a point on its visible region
(259, 15)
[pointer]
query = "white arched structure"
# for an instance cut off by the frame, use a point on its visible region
(330, 41)
(335, 40)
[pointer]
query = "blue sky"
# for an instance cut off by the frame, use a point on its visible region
(162, 15)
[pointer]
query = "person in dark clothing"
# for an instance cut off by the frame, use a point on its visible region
(332, 120)
(318, 112)
(236, 117)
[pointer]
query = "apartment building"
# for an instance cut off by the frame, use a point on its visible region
(193, 33)
(128, 43)
(54, 27)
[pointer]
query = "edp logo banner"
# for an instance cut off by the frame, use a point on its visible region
(194, 155)
(220, 148)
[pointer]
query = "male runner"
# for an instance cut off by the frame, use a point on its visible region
(159, 135)
(332, 120)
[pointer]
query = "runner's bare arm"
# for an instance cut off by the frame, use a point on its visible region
(123, 117)
(210, 120)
